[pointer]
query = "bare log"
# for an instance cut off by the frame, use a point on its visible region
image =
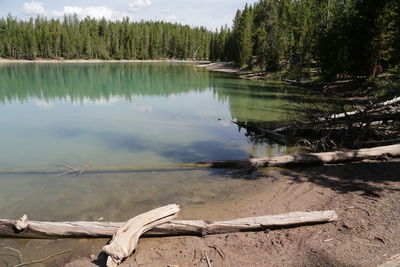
(301, 159)
(37, 229)
(393, 262)
(126, 238)
(307, 159)
(358, 111)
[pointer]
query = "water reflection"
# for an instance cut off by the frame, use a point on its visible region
(108, 83)
(133, 114)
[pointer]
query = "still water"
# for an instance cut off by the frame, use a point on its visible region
(129, 114)
(142, 115)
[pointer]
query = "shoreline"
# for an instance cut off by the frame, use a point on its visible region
(6, 60)
(230, 67)
(367, 218)
(225, 67)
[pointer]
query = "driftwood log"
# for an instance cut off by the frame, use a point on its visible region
(307, 159)
(279, 161)
(125, 239)
(358, 111)
(37, 229)
(393, 262)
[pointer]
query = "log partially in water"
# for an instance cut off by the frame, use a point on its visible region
(280, 161)
(36, 229)
(307, 159)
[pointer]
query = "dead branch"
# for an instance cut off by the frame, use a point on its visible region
(42, 260)
(125, 240)
(70, 170)
(306, 159)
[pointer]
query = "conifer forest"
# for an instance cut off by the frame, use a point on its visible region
(340, 37)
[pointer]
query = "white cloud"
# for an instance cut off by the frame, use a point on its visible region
(97, 12)
(138, 4)
(33, 8)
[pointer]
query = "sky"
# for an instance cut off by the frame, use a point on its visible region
(208, 13)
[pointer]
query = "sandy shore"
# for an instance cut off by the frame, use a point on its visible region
(5, 60)
(365, 195)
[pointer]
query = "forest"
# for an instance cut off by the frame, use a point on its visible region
(345, 37)
(338, 37)
(71, 38)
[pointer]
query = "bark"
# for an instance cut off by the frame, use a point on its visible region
(359, 111)
(393, 262)
(37, 229)
(307, 159)
(125, 240)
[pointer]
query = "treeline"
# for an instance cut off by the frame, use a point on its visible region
(334, 37)
(89, 38)
(348, 37)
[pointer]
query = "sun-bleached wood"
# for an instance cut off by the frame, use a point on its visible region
(307, 158)
(127, 236)
(393, 262)
(280, 161)
(36, 229)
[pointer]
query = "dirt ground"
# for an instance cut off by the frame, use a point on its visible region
(365, 195)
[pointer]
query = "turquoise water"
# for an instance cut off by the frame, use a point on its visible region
(124, 114)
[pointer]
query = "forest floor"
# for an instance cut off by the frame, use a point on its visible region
(365, 195)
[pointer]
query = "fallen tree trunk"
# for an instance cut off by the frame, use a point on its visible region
(307, 159)
(36, 229)
(125, 239)
(393, 262)
(301, 159)
(358, 111)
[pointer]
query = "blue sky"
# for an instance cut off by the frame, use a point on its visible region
(209, 13)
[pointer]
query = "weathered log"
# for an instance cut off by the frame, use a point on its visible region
(358, 111)
(301, 159)
(307, 159)
(367, 117)
(37, 229)
(393, 262)
(126, 238)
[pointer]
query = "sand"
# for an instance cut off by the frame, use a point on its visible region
(365, 195)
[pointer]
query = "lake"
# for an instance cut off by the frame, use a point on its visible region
(140, 115)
